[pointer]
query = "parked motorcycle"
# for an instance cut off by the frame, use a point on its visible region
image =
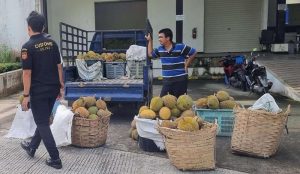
(234, 69)
(256, 76)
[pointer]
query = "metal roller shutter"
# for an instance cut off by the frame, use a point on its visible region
(232, 25)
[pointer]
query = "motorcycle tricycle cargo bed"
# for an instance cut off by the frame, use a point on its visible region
(108, 89)
(75, 41)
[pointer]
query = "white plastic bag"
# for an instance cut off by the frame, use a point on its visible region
(136, 52)
(266, 102)
(93, 72)
(147, 128)
(23, 125)
(62, 125)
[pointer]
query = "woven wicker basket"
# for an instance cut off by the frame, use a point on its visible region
(89, 133)
(257, 132)
(191, 150)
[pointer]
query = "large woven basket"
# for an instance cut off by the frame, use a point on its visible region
(257, 132)
(191, 150)
(89, 133)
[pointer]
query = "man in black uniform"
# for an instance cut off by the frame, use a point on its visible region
(42, 80)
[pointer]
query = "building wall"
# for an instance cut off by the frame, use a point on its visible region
(264, 14)
(162, 15)
(13, 25)
(78, 13)
(193, 11)
(272, 13)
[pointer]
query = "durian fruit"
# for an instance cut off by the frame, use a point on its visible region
(101, 104)
(143, 108)
(188, 124)
(82, 112)
(169, 101)
(201, 103)
(78, 103)
(147, 113)
(21, 98)
(115, 56)
(108, 57)
(168, 124)
(187, 113)
(119, 60)
(165, 113)
(184, 102)
(130, 132)
(103, 55)
(175, 112)
(199, 120)
(222, 96)
(89, 101)
(103, 113)
(212, 102)
(206, 125)
(91, 54)
(122, 56)
(228, 104)
(93, 110)
(93, 117)
(98, 56)
(80, 56)
(133, 124)
(156, 103)
(134, 134)
(231, 98)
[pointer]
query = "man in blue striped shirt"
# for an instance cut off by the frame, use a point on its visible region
(175, 59)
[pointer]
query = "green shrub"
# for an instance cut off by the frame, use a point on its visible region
(5, 67)
(6, 54)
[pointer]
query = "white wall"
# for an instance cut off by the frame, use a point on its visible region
(79, 13)
(162, 14)
(193, 11)
(13, 25)
(264, 14)
(293, 1)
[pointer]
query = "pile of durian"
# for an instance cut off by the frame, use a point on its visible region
(90, 108)
(109, 57)
(174, 113)
(220, 100)
(133, 131)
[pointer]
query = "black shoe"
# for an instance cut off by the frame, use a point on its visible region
(54, 163)
(25, 146)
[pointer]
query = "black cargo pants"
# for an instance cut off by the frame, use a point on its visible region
(41, 109)
(177, 88)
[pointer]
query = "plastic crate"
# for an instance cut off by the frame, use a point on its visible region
(114, 70)
(225, 119)
(136, 68)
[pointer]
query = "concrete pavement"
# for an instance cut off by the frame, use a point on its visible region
(7, 112)
(86, 161)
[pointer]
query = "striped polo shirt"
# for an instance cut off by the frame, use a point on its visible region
(173, 61)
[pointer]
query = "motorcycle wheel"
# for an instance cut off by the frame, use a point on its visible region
(244, 85)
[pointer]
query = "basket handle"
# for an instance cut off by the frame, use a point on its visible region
(287, 112)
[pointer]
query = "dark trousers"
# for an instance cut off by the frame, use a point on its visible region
(174, 88)
(41, 109)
